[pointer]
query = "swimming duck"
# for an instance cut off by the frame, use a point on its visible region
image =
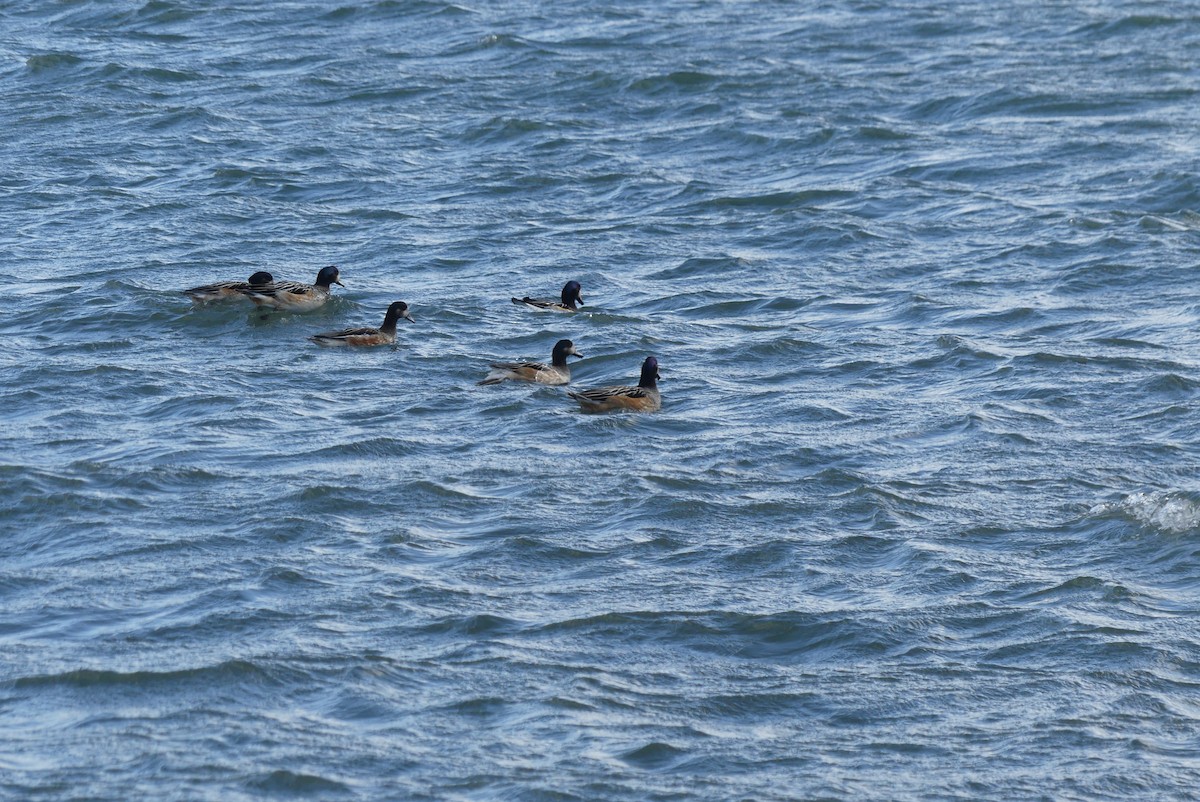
(223, 290)
(556, 373)
(384, 335)
(643, 398)
(570, 297)
(295, 296)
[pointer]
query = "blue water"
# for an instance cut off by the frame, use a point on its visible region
(919, 518)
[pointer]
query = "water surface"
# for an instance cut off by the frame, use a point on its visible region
(919, 517)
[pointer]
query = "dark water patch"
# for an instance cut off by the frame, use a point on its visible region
(214, 407)
(74, 509)
(1108, 343)
(958, 354)
(161, 12)
(382, 447)
(1100, 274)
(474, 625)
(545, 554)
(47, 62)
(1081, 587)
(773, 556)
(784, 201)
(283, 782)
(120, 76)
(680, 81)
(1171, 385)
(1001, 320)
(1051, 106)
(784, 636)
(882, 133)
(1177, 415)
(1130, 24)
(1100, 363)
(875, 551)
(236, 671)
(741, 312)
(485, 708)
(281, 580)
(944, 109)
(770, 704)
(654, 756)
(699, 267)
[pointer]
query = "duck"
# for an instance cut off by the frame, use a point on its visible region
(570, 299)
(295, 296)
(643, 398)
(556, 373)
(224, 290)
(384, 335)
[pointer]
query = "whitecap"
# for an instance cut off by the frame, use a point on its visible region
(1172, 512)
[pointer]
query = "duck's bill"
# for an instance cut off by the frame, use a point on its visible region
(409, 317)
(338, 282)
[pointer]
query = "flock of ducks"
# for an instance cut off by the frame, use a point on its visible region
(295, 296)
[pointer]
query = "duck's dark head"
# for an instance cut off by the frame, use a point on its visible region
(570, 294)
(261, 278)
(649, 373)
(327, 276)
(398, 310)
(563, 349)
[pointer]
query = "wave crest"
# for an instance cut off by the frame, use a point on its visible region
(1173, 512)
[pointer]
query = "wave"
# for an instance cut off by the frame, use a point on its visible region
(289, 783)
(45, 62)
(228, 671)
(792, 634)
(1173, 513)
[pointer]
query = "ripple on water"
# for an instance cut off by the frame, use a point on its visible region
(921, 493)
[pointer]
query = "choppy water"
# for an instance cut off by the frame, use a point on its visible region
(919, 519)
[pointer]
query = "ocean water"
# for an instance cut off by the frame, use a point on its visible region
(919, 518)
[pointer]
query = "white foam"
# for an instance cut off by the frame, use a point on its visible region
(1170, 512)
